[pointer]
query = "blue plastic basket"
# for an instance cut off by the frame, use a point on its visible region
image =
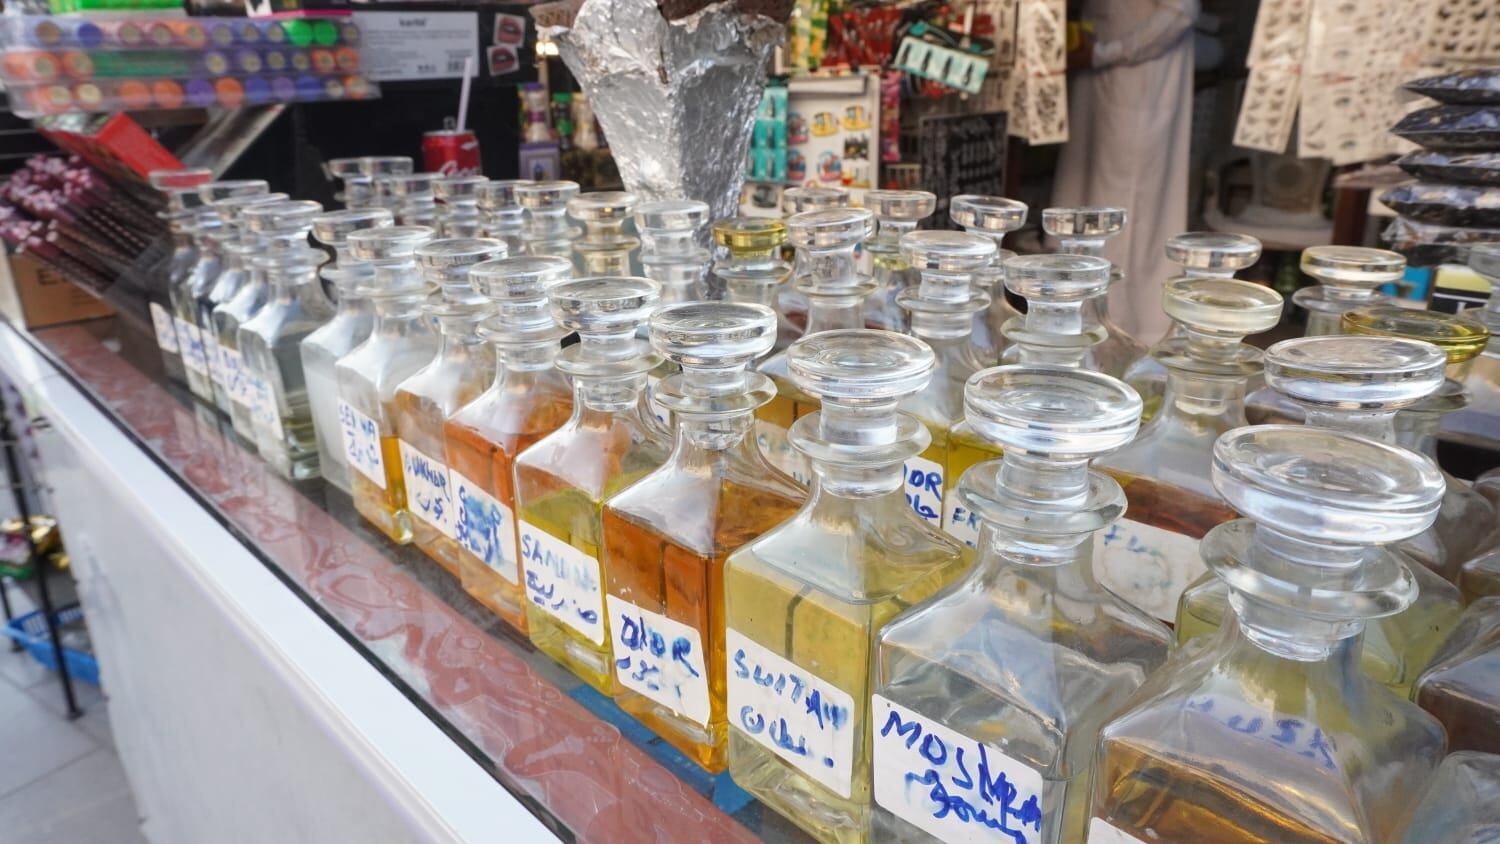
(30, 630)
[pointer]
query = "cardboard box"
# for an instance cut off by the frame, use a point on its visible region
(33, 295)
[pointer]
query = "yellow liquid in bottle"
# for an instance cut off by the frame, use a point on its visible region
(927, 479)
(385, 508)
(833, 638)
(772, 422)
(965, 449)
(419, 421)
(659, 574)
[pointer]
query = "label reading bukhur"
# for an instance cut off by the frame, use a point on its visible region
(429, 489)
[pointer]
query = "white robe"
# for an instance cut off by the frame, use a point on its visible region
(1129, 124)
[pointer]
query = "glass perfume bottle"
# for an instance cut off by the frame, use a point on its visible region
(530, 398)
(1478, 424)
(1462, 686)
(402, 341)
(463, 367)
(752, 271)
(179, 188)
(415, 204)
(791, 303)
(1269, 732)
(545, 228)
(805, 602)
(670, 256)
(993, 217)
(564, 479)
(826, 242)
(271, 343)
(1051, 332)
(502, 215)
(1201, 255)
(1461, 804)
(1348, 277)
(342, 171)
(236, 247)
(1356, 385)
(1083, 231)
(1150, 556)
(604, 248)
(381, 169)
(666, 536)
(942, 307)
(458, 205)
(350, 325)
(269, 228)
(897, 212)
(1017, 665)
(1467, 519)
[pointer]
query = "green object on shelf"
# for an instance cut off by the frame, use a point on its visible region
(324, 33)
(299, 32)
(16, 571)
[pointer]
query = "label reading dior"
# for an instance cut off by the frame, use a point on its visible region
(659, 658)
(429, 490)
(1147, 566)
(166, 332)
(796, 715)
(563, 581)
(484, 527)
(948, 785)
(924, 488)
(362, 443)
(1103, 832)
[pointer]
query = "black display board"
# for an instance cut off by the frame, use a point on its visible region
(961, 153)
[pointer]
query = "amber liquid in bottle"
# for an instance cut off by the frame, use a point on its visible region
(385, 508)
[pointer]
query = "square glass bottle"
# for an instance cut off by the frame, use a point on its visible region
(1084, 231)
(666, 536)
(1478, 423)
(545, 229)
(897, 212)
(1461, 688)
(1270, 731)
(806, 601)
(993, 217)
(563, 480)
(605, 248)
(529, 399)
(501, 213)
(179, 189)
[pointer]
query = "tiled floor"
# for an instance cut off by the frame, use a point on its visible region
(60, 780)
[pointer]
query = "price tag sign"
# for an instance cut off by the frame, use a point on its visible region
(418, 45)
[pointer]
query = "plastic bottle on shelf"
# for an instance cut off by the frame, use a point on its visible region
(1270, 732)
(564, 479)
(1356, 385)
(350, 325)
(1016, 666)
(1150, 556)
(529, 399)
(805, 602)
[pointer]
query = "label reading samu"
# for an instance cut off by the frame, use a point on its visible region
(361, 438)
(1146, 565)
(563, 581)
(803, 719)
(429, 489)
(924, 488)
(660, 658)
(166, 332)
(484, 527)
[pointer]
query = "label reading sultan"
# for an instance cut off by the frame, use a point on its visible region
(950, 786)
(563, 581)
(660, 658)
(796, 715)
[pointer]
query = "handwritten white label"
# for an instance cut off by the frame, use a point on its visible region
(190, 343)
(484, 527)
(777, 448)
(236, 378)
(1102, 831)
(166, 332)
(266, 412)
(565, 582)
(924, 488)
(1147, 566)
(959, 521)
(1297, 736)
(429, 490)
(215, 360)
(362, 443)
(948, 785)
(793, 713)
(660, 658)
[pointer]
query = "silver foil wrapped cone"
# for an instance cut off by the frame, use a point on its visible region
(675, 87)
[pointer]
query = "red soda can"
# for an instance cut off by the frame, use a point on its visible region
(451, 152)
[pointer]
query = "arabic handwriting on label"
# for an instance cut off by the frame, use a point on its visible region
(190, 343)
(264, 408)
(215, 359)
(484, 527)
(796, 715)
(924, 488)
(429, 490)
(236, 377)
(166, 332)
(660, 658)
(1147, 566)
(1103, 832)
(563, 581)
(361, 438)
(948, 785)
(959, 522)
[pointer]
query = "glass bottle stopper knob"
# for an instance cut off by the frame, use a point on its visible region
(1352, 271)
(946, 261)
(388, 242)
(900, 206)
(860, 375)
(446, 262)
(993, 215)
(1346, 372)
(210, 192)
(1058, 278)
(500, 195)
(518, 288)
(341, 168)
(603, 305)
(413, 186)
(1212, 254)
(1224, 309)
(604, 211)
(750, 237)
(721, 336)
(386, 165)
(799, 200)
(333, 228)
(458, 190)
(1083, 228)
(669, 227)
(282, 225)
